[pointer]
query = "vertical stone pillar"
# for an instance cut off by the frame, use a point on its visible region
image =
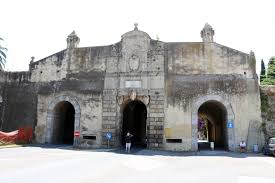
(109, 118)
(155, 126)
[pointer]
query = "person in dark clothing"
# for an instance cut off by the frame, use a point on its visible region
(128, 142)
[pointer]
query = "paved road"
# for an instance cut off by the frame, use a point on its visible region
(65, 165)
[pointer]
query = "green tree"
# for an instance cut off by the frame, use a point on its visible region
(3, 55)
(263, 72)
(270, 76)
(271, 68)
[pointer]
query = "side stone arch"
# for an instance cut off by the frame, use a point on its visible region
(50, 115)
(230, 116)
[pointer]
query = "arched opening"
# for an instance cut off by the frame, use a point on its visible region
(134, 121)
(212, 117)
(63, 123)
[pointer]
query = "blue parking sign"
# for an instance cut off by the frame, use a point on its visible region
(108, 135)
(230, 124)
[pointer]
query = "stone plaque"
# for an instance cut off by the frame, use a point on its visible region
(132, 84)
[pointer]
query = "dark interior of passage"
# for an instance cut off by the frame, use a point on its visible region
(212, 118)
(63, 127)
(134, 121)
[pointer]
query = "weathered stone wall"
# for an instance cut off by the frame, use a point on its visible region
(171, 79)
(208, 58)
(85, 89)
(268, 110)
(140, 60)
(22, 104)
(90, 59)
(19, 102)
(51, 68)
(236, 93)
(90, 115)
(23, 77)
(199, 72)
(15, 91)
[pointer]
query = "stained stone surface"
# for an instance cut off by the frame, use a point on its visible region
(172, 79)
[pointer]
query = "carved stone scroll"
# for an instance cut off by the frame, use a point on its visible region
(146, 99)
(133, 95)
(120, 99)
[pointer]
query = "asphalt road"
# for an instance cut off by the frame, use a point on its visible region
(65, 165)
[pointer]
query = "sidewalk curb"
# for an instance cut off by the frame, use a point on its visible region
(10, 146)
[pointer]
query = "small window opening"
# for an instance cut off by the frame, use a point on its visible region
(89, 137)
(174, 140)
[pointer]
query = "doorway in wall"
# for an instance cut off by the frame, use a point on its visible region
(134, 121)
(212, 116)
(63, 123)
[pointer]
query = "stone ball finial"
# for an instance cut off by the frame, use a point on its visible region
(252, 53)
(32, 58)
(72, 40)
(207, 26)
(207, 33)
(136, 26)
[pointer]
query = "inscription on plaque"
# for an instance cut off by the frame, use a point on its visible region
(132, 84)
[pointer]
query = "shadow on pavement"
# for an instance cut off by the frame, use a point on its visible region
(221, 153)
(149, 152)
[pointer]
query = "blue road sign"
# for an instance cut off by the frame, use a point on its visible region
(230, 124)
(108, 135)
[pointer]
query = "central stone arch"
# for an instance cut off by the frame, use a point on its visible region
(134, 118)
(230, 117)
(50, 116)
(137, 102)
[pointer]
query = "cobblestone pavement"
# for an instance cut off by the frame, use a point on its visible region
(65, 165)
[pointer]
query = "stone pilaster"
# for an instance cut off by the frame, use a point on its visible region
(109, 117)
(156, 120)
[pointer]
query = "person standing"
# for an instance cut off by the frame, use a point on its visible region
(128, 142)
(242, 146)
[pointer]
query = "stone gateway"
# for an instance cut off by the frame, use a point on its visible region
(178, 96)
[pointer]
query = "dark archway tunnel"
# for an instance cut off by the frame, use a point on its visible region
(134, 121)
(212, 117)
(63, 124)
